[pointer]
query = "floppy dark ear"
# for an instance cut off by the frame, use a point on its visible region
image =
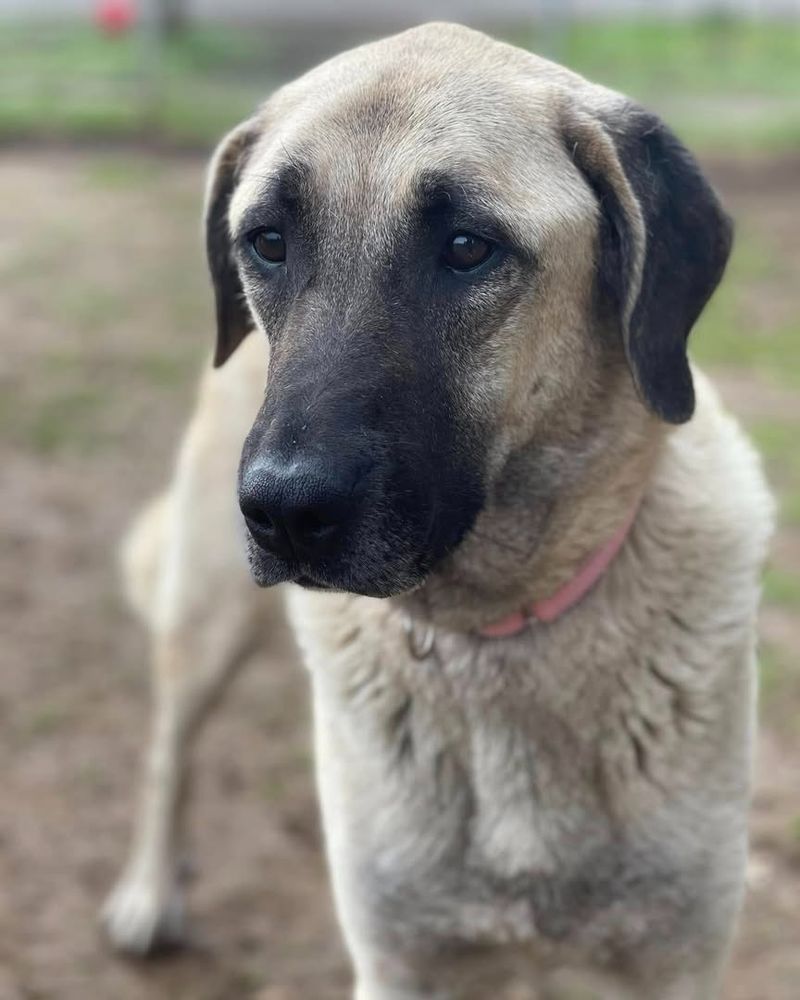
(234, 321)
(664, 243)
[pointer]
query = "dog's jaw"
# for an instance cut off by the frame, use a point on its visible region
(524, 554)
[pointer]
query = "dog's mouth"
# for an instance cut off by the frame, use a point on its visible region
(386, 552)
(310, 583)
(338, 576)
(381, 586)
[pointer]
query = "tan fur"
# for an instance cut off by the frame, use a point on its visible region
(186, 545)
(575, 795)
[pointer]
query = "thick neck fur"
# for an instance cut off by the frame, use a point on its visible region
(550, 509)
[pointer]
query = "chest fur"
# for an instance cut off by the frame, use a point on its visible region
(540, 788)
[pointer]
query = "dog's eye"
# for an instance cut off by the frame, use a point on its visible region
(466, 251)
(269, 245)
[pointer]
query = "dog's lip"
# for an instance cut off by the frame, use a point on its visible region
(342, 586)
(309, 582)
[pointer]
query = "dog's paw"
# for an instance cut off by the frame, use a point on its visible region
(140, 917)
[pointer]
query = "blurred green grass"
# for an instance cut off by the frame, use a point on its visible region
(738, 335)
(70, 80)
(735, 330)
(704, 56)
(729, 83)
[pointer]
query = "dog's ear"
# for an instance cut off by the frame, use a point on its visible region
(234, 321)
(664, 242)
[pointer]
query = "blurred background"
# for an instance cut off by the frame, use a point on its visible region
(108, 111)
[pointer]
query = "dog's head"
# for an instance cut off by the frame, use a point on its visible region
(460, 254)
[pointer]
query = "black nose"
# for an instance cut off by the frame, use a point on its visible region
(299, 509)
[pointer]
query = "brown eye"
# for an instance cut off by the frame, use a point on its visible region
(269, 245)
(466, 251)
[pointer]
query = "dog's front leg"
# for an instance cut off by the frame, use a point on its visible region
(382, 977)
(187, 576)
(145, 911)
(384, 991)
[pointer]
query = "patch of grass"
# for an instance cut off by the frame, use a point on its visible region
(70, 79)
(776, 131)
(35, 253)
(69, 420)
(648, 57)
(123, 172)
(723, 338)
(772, 671)
(779, 688)
(777, 441)
(108, 117)
(46, 719)
(156, 368)
(790, 507)
(274, 788)
(90, 308)
(782, 588)
(728, 332)
(93, 777)
(201, 115)
(167, 370)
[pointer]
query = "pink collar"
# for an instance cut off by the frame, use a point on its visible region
(573, 590)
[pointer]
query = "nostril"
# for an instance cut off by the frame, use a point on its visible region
(310, 524)
(257, 515)
(296, 512)
(261, 521)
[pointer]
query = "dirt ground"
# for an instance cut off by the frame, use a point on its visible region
(105, 318)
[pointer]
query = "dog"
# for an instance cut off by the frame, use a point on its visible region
(524, 536)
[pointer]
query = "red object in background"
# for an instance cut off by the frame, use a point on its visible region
(115, 16)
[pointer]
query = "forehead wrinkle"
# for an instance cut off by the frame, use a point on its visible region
(357, 184)
(287, 185)
(471, 195)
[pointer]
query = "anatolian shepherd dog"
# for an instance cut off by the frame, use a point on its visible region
(527, 538)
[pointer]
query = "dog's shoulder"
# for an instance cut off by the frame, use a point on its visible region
(713, 498)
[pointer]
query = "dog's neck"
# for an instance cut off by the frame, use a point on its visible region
(522, 554)
(571, 593)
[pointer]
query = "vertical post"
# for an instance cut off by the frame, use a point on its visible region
(151, 39)
(172, 14)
